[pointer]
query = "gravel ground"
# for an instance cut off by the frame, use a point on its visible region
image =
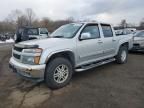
(108, 86)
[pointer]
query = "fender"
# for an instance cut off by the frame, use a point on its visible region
(47, 55)
(122, 41)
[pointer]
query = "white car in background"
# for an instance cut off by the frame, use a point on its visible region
(125, 31)
(138, 41)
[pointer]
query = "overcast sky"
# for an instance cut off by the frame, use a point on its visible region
(111, 11)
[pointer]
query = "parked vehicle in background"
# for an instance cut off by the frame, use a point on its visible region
(130, 30)
(30, 33)
(138, 44)
(73, 47)
(3, 37)
(7, 36)
(125, 31)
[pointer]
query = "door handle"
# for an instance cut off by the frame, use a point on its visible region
(99, 41)
(113, 39)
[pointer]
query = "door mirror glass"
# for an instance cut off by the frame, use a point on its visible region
(85, 36)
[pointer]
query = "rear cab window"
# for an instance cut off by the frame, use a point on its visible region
(107, 30)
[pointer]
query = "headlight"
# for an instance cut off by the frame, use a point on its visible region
(28, 60)
(32, 60)
(33, 57)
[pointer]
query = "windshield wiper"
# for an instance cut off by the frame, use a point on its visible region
(58, 36)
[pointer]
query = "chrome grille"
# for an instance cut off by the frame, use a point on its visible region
(18, 49)
(16, 56)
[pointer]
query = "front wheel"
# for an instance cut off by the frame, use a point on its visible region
(58, 73)
(122, 55)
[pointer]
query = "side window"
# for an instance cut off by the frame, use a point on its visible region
(43, 31)
(92, 30)
(107, 31)
(30, 31)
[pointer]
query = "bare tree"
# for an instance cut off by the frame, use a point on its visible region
(14, 15)
(36, 23)
(70, 19)
(2, 27)
(45, 22)
(123, 23)
(141, 26)
(30, 16)
(6, 26)
(22, 21)
(17, 18)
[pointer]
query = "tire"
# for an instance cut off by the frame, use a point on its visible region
(122, 55)
(51, 71)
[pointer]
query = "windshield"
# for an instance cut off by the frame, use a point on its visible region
(140, 34)
(66, 31)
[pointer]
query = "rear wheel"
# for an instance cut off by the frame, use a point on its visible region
(58, 73)
(122, 55)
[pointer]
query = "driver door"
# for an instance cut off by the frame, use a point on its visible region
(89, 47)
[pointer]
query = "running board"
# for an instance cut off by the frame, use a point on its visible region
(93, 65)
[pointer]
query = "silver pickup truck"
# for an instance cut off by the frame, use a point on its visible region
(73, 47)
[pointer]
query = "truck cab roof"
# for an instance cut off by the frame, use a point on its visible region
(94, 22)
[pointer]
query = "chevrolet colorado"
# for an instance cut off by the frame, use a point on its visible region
(73, 47)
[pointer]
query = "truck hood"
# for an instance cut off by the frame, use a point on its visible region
(46, 43)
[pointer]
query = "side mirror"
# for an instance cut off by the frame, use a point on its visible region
(85, 36)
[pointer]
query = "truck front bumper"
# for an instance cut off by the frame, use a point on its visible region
(32, 72)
